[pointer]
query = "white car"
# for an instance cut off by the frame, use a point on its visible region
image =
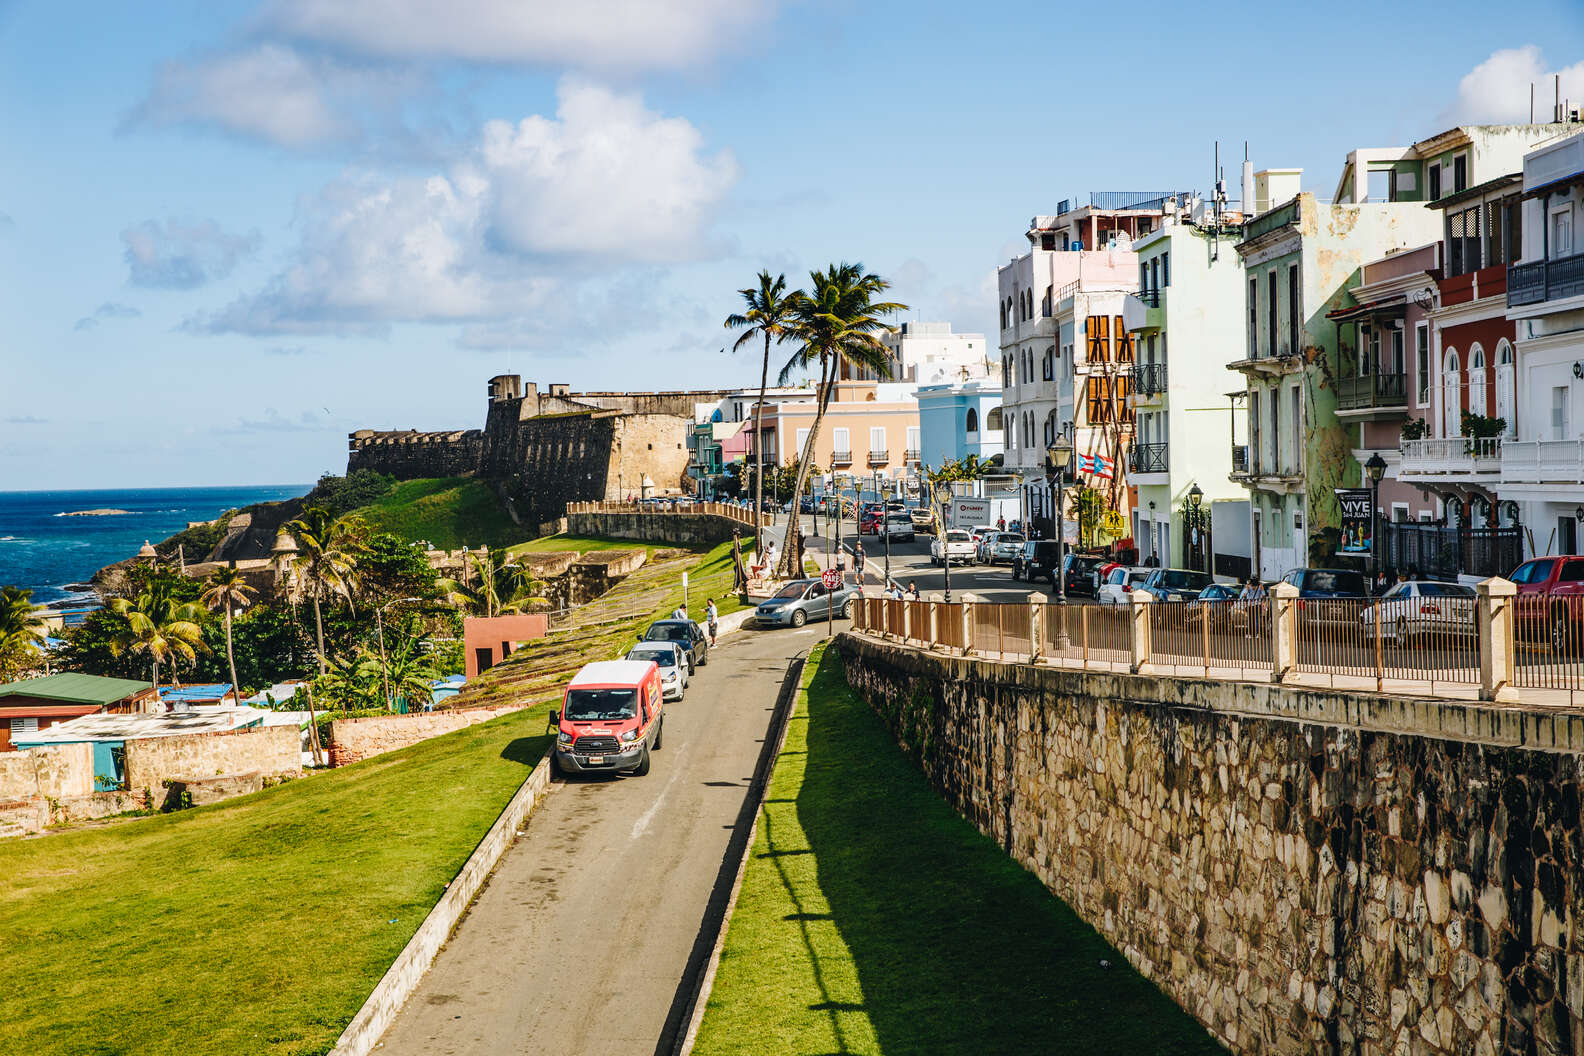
(1421, 607)
(898, 525)
(671, 660)
(956, 544)
(1118, 585)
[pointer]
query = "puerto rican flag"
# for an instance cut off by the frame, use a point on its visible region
(1095, 466)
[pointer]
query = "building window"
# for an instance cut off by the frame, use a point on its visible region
(1460, 173)
(1476, 382)
(1435, 183)
(1378, 185)
(1505, 407)
(1559, 412)
(1562, 232)
(877, 440)
(1398, 364)
(1463, 241)
(1048, 369)
(1422, 350)
(1270, 318)
(972, 424)
(993, 420)
(1275, 430)
(913, 441)
(1294, 312)
(841, 442)
(1297, 427)
(1165, 259)
(802, 441)
(1253, 309)
(1254, 455)
(1451, 397)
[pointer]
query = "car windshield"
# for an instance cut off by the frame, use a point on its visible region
(1335, 582)
(667, 632)
(1533, 572)
(600, 705)
(1180, 580)
(663, 657)
(1446, 590)
(792, 590)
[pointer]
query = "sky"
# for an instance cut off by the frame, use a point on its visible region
(233, 232)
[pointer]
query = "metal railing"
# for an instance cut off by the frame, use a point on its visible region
(1356, 393)
(1452, 454)
(1443, 551)
(1416, 639)
(1149, 379)
(879, 457)
(841, 458)
(1543, 461)
(1548, 642)
(669, 505)
(911, 454)
(1206, 637)
(1545, 280)
(1240, 461)
(1148, 458)
(1150, 297)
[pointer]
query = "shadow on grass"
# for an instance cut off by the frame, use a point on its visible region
(955, 946)
(528, 750)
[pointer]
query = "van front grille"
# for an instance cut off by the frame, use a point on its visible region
(595, 745)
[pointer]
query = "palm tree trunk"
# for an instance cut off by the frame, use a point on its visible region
(230, 653)
(154, 661)
(789, 564)
(319, 627)
(758, 440)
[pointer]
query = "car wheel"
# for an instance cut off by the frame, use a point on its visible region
(643, 763)
(659, 732)
(846, 609)
(799, 618)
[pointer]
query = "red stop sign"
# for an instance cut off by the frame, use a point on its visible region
(831, 578)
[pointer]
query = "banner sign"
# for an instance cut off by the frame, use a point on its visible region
(1358, 524)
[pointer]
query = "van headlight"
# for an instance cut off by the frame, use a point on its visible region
(563, 737)
(629, 736)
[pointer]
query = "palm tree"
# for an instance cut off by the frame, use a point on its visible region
(404, 672)
(227, 591)
(837, 322)
(158, 623)
(326, 561)
(503, 585)
(772, 314)
(22, 629)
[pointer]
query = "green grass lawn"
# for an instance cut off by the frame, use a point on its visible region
(449, 512)
(258, 925)
(873, 919)
(583, 544)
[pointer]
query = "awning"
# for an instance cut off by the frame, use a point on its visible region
(1393, 306)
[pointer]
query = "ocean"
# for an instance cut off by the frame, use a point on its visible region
(54, 555)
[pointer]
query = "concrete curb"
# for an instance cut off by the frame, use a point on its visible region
(401, 979)
(785, 704)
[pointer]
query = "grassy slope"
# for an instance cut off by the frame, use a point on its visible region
(448, 512)
(258, 925)
(915, 935)
(582, 544)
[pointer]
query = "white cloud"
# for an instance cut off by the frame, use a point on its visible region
(1497, 90)
(107, 310)
(606, 182)
(183, 255)
(607, 35)
(271, 92)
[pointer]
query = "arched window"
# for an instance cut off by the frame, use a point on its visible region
(1506, 408)
(1050, 428)
(972, 425)
(1451, 398)
(717, 416)
(1476, 384)
(993, 419)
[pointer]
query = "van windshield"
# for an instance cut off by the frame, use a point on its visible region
(600, 705)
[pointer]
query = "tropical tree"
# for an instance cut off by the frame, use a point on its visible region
(503, 585)
(160, 625)
(770, 313)
(227, 590)
(838, 321)
(326, 561)
(404, 672)
(22, 631)
(349, 683)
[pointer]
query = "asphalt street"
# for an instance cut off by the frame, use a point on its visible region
(590, 931)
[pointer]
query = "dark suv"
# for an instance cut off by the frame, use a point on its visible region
(1037, 560)
(1083, 574)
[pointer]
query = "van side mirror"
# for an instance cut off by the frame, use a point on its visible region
(555, 717)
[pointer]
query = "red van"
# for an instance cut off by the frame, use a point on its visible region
(610, 718)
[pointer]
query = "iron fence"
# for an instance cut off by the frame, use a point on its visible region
(1210, 638)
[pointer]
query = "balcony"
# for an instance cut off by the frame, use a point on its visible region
(911, 455)
(1450, 458)
(1148, 458)
(1542, 462)
(841, 458)
(1240, 458)
(1545, 280)
(1149, 379)
(880, 457)
(1372, 395)
(1143, 311)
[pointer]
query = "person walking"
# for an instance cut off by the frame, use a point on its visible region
(712, 620)
(858, 560)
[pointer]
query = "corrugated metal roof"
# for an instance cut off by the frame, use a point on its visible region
(79, 688)
(132, 727)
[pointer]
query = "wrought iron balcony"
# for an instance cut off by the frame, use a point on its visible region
(1149, 379)
(841, 458)
(880, 457)
(1150, 297)
(1373, 392)
(1147, 458)
(911, 455)
(1545, 280)
(1240, 458)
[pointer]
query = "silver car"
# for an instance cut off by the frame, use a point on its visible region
(1006, 548)
(672, 660)
(803, 600)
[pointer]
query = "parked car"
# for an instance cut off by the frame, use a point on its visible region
(1082, 574)
(685, 633)
(671, 660)
(923, 519)
(955, 544)
(1174, 584)
(1005, 548)
(1117, 585)
(898, 527)
(1421, 607)
(1323, 586)
(803, 600)
(869, 521)
(611, 718)
(1223, 609)
(1550, 599)
(977, 534)
(1037, 560)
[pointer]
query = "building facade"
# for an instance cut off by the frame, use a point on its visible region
(870, 428)
(926, 353)
(959, 420)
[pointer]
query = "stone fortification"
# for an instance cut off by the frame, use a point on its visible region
(1302, 871)
(541, 450)
(355, 739)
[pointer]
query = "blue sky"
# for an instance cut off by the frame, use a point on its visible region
(230, 233)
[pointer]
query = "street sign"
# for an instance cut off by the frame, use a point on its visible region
(831, 578)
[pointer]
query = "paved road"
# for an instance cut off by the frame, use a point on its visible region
(586, 934)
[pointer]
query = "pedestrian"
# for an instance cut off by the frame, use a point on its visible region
(1001, 524)
(858, 560)
(680, 613)
(913, 591)
(712, 619)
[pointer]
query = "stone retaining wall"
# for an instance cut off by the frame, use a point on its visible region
(355, 739)
(684, 529)
(274, 751)
(1302, 871)
(55, 771)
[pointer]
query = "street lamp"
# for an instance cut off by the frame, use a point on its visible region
(1194, 519)
(885, 528)
(1057, 458)
(1376, 469)
(1154, 553)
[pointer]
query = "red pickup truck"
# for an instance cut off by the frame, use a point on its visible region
(1550, 602)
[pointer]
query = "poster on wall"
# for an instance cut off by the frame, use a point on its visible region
(1357, 524)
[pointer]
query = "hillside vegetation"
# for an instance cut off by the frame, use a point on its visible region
(447, 511)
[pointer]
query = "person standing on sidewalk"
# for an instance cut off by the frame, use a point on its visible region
(712, 620)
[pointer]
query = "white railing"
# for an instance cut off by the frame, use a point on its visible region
(1452, 455)
(674, 506)
(1543, 461)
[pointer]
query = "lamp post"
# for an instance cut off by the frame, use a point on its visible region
(1194, 521)
(885, 528)
(1376, 469)
(1058, 456)
(1154, 551)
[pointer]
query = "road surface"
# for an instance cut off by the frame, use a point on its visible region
(585, 938)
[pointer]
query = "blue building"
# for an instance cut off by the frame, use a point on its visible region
(958, 420)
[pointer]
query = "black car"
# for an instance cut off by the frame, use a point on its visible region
(1083, 574)
(1037, 560)
(1175, 584)
(1327, 583)
(685, 633)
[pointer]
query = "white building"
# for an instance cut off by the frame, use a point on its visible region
(930, 354)
(1543, 468)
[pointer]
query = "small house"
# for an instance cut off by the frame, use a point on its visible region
(36, 704)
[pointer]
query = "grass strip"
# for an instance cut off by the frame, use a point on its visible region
(874, 920)
(258, 925)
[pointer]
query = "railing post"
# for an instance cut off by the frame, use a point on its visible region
(934, 624)
(1140, 612)
(1497, 642)
(1036, 606)
(967, 623)
(1283, 629)
(907, 621)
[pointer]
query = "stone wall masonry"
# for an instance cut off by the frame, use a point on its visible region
(273, 751)
(684, 529)
(54, 772)
(409, 455)
(355, 739)
(1303, 871)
